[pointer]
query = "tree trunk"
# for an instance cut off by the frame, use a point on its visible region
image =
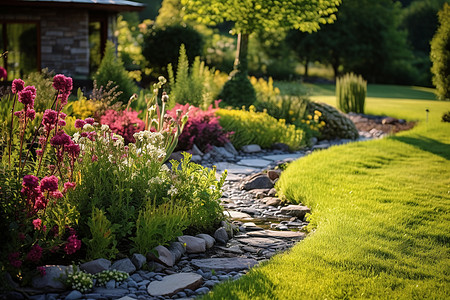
(306, 67)
(240, 63)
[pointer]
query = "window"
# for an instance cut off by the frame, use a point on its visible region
(20, 39)
(97, 40)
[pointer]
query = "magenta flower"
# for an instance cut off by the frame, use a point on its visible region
(14, 259)
(42, 271)
(62, 83)
(79, 123)
(61, 123)
(3, 74)
(37, 223)
(30, 181)
(32, 89)
(73, 244)
(56, 195)
(40, 203)
(35, 253)
(69, 186)
(27, 98)
(72, 149)
(90, 121)
(61, 138)
(49, 119)
(31, 114)
(17, 85)
(49, 183)
(63, 98)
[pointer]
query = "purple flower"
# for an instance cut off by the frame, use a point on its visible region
(31, 114)
(49, 183)
(72, 149)
(73, 244)
(17, 85)
(31, 88)
(30, 181)
(3, 74)
(27, 98)
(49, 119)
(62, 83)
(61, 138)
(35, 253)
(89, 121)
(79, 123)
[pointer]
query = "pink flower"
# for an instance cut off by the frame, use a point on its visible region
(49, 119)
(94, 158)
(69, 186)
(30, 181)
(56, 195)
(31, 114)
(42, 271)
(62, 83)
(79, 123)
(35, 253)
(61, 138)
(62, 98)
(27, 98)
(62, 123)
(3, 74)
(73, 244)
(19, 113)
(49, 183)
(14, 259)
(32, 89)
(72, 149)
(40, 203)
(90, 121)
(37, 223)
(17, 85)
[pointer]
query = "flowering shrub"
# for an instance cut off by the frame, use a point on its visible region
(80, 281)
(126, 123)
(251, 127)
(107, 275)
(202, 128)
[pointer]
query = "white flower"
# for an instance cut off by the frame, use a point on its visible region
(76, 136)
(172, 191)
(88, 127)
(104, 128)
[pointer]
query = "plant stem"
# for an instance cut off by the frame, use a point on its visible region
(10, 130)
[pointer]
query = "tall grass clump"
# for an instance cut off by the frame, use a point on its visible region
(351, 93)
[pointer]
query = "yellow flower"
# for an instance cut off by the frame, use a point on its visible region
(307, 122)
(316, 117)
(318, 113)
(322, 123)
(291, 112)
(309, 117)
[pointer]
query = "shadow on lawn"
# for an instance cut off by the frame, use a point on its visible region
(426, 144)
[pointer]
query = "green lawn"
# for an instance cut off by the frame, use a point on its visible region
(381, 211)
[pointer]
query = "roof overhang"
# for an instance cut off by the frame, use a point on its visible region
(108, 5)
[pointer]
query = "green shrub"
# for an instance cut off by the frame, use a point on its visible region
(112, 69)
(351, 92)
(251, 127)
(337, 125)
(45, 93)
(103, 241)
(158, 225)
(238, 91)
(440, 55)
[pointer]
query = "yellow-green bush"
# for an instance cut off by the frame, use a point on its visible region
(251, 127)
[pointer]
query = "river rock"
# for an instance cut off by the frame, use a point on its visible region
(124, 265)
(272, 201)
(162, 255)
(52, 277)
(138, 260)
(224, 264)
(193, 244)
(96, 266)
(273, 174)
(251, 148)
(209, 240)
(221, 235)
(298, 211)
(277, 234)
(230, 148)
(175, 283)
(260, 181)
(177, 249)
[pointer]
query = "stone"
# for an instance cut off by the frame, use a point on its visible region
(255, 163)
(230, 148)
(111, 284)
(272, 201)
(96, 266)
(209, 240)
(236, 214)
(176, 156)
(272, 192)
(321, 146)
(251, 148)
(111, 293)
(257, 182)
(126, 298)
(124, 265)
(162, 255)
(251, 227)
(281, 146)
(11, 295)
(260, 242)
(172, 284)
(51, 279)
(234, 169)
(193, 244)
(313, 140)
(196, 158)
(202, 291)
(220, 152)
(389, 120)
(273, 174)
(221, 235)
(196, 151)
(224, 264)
(177, 250)
(73, 295)
(138, 260)
(156, 267)
(282, 157)
(298, 211)
(278, 234)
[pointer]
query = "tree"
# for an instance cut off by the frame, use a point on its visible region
(440, 55)
(170, 14)
(258, 15)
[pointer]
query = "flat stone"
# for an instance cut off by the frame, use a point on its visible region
(257, 182)
(162, 255)
(230, 177)
(193, 244)
(112, 293)
(126, 298)
(321, 146)
(175, 283)
(234, 169)
(298, 211)
(255, 163)
(224, 264)
(138, 260)
(280, 157)
(233, 249)
(96, 266)
(220, 152)
(51, 279)
(251, 227)
(260, 242)
(277, 234)
(124, 265)
(236, 214)
(272, 201)
(253, 148)
(209, 240)
(74, 295)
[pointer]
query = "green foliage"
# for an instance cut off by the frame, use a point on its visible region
(337, 125)
(112, 69)
(103, 241)
(161, 45)
(45, 93)
(238, 90)
(170, 14)
(351, 93)
(80, 281)
(159, 225)
(251, 127)
(440, 55)
(104, 276)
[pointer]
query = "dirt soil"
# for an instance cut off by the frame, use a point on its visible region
(388, 125)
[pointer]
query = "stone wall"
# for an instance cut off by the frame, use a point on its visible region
(64, 44)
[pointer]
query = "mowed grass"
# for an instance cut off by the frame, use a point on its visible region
(381, 213)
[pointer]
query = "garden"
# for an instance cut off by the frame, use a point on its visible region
(140, 185)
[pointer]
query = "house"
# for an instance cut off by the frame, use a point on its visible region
(66, 36)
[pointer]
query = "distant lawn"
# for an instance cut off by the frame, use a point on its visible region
(381, 212)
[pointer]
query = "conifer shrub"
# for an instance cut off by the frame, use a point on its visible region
(251, 127)
(351, 92)
(238, 91)
(112, 69)
(440, 55)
